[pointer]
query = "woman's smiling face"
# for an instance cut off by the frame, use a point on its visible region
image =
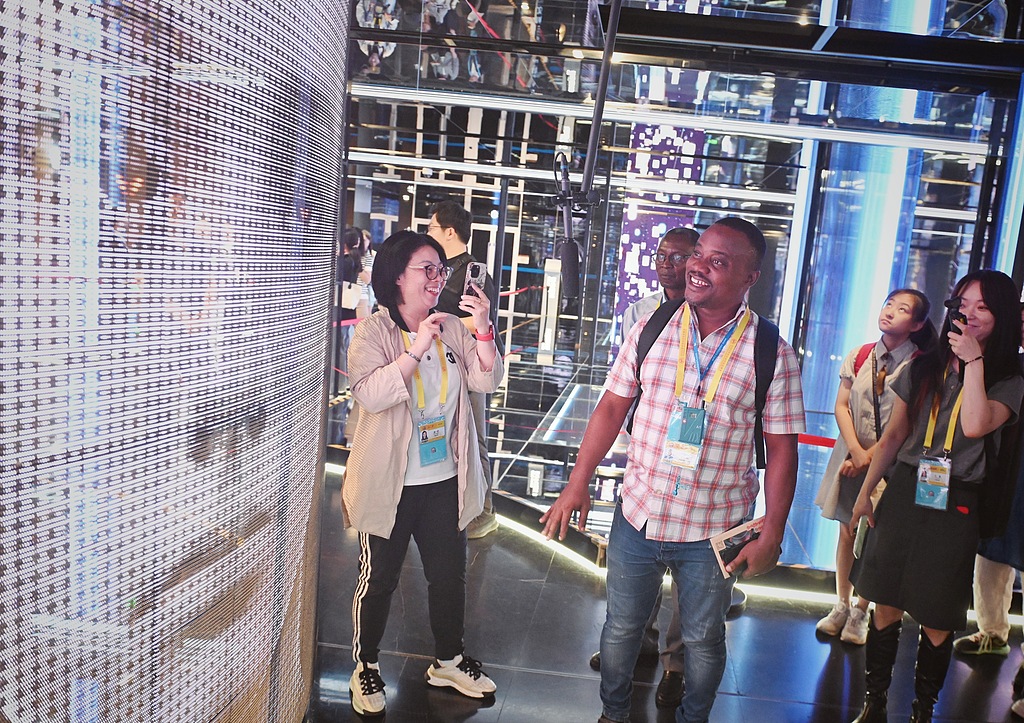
(980, 319)
(414, 288)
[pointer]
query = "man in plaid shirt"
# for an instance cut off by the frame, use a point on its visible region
(668, 511)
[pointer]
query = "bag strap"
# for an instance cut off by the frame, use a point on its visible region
(862, 356)
(766, 346)
(766, 354)
(655, 325)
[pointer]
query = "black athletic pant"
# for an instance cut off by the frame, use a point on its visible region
(430, 514)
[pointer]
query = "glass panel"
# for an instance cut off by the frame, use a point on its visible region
(892, 177)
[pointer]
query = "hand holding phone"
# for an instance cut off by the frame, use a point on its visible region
(955, 314)
(862, 534)
(476, 275)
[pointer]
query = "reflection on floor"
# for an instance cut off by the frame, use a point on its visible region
(534, 619)
(535, 444)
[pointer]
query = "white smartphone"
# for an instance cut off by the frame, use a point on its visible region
(476, 274)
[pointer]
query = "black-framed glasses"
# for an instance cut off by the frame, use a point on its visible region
(433, 271)
(675, 259)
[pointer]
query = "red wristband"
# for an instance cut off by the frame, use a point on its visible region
(489, 336)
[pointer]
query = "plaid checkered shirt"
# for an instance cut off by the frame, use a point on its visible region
(684, 505)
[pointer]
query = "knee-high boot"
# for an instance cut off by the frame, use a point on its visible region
(932, 665)
(879, 657)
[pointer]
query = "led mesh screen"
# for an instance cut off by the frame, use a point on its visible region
(170, 174)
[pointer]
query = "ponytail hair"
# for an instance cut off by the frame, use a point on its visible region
(926, 337)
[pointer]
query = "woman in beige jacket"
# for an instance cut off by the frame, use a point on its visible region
(414, 470)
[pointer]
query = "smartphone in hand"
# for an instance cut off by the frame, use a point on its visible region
(476, 274)
(861, 536)
(953, 305)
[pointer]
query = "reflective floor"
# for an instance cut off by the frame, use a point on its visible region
(536, 430)
(534, 619)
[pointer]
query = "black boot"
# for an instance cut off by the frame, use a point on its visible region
(932, 664)
(879, 657)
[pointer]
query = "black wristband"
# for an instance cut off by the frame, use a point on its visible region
(980, 356)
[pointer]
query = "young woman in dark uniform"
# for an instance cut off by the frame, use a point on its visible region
(919, 556)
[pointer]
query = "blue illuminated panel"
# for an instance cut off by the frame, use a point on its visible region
(170, 175)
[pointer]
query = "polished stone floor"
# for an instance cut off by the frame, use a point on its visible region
(534, 618)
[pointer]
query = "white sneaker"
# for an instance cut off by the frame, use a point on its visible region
(1018, 708)
(856, 629)
(463, 674)
(367, 689)
(832, 624)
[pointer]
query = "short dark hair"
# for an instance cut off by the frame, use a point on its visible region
(352, 237)
(688, 235)
(391, 260)
(751, 232)
(453, 215)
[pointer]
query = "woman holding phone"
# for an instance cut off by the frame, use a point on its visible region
(414, 471)
(919, 555)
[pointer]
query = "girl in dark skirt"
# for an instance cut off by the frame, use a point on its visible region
(919, 555)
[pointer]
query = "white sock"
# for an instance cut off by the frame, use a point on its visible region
(450, 663)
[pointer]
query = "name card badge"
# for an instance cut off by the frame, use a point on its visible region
(933, 474)
(685, 437)
(433, 441)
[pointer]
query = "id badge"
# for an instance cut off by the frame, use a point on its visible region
(433, 441)
(685, 437)
(933, 475)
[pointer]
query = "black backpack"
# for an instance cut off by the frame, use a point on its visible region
(766, 346)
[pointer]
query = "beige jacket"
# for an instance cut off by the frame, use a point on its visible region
(375, 473)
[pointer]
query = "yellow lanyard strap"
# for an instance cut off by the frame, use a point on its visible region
(421, 402)
(684, 338)
(929, 433)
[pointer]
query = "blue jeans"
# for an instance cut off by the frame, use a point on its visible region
(636, 566)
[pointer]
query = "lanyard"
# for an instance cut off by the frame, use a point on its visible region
(733, 337)
(421, 403)
(930, 431)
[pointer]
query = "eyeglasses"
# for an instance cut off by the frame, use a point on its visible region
(675, 259)
(433, 272)
(434, 225)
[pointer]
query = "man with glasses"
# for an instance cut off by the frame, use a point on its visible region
(674, 249)
(451, 226)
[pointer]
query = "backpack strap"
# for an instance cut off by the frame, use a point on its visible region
(862, 356)
(766, 352)
(766, 347)
(655, 325)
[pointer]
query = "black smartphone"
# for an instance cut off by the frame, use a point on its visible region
(476, 274)
(955, 314)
